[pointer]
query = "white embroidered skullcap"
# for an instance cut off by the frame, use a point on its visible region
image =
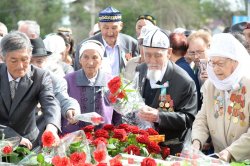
(146, 29)
(156, 38)
(54, 43)
(92, 45)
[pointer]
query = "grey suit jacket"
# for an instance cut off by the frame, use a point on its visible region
(127, 44)
(17, 116)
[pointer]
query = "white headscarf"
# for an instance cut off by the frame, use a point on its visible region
(227, 46)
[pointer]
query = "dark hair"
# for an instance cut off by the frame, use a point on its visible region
(147, 17)
(68, 40)
(179, 44)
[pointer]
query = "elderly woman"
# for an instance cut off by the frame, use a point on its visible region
(226, 100)
(86, 84)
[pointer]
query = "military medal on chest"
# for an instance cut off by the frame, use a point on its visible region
(236, 107)
(166, 103)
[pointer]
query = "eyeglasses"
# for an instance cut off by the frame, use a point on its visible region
(198, 52)
(221, 63)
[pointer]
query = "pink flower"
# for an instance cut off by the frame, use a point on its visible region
(148, 162)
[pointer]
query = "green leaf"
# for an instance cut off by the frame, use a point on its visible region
(111, 146)
(40, 158)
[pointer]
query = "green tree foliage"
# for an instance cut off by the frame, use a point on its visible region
(48, 13)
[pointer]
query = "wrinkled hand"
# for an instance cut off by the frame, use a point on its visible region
(196, 145)
(53, 129)
(225, 155)
(149, 114)
(70, 116)
(26, 142)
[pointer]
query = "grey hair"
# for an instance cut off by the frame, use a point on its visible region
(33, 26)
(15, 41)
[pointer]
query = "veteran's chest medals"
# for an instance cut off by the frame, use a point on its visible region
(166, 103)
(235, 109)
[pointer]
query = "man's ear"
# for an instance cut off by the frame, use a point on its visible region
(169, 52)
(120, 26)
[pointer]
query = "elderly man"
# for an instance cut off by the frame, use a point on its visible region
(118, 47)
(21, 87)
(169, 93)
(30, 28)
(69, 106)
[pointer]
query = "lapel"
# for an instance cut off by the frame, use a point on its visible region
(167, 77)
(5, 87)
(23, 87)
(122, 51)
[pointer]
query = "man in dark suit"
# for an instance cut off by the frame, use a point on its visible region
(22, 86)
(170, 94)
(118, 47)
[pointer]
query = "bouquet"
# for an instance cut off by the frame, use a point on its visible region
(123, 95)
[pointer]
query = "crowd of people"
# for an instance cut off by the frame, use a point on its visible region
(195, 85)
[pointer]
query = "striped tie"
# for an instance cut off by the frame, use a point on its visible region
(13, 84)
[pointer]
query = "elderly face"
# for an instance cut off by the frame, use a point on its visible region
(156, 58)
(139, 24)
(197, 50)
(110, 31)
(17, 62)
(39, 61)
(223, 67)
(90, 62)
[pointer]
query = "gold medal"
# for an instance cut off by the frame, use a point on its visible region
(161, 104)
(235, 119)
(243, 123)
(167, 105)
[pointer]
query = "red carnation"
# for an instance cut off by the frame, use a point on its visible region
(114, 84)
(112, 98)
(88, 128)
(61, 161)
(122, 94)
(143, 132)
(143, 139)
(148, 162)
(48, 139)
(7, 149)
(134, 129)
(120, 134)
(132, 149)
(116, 161)
(96, 141)
(99, 155)
(97, 120)
(102, 164)
(101, 133)
(77, 158)
(89, 136)
(108, 127)
(152, 131)
(165, 152)
(153, 147)
(124, 126)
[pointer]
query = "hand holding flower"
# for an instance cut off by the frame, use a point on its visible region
(149, 114)
(26, 142)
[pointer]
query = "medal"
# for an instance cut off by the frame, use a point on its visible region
(235, 119)
(161, 104)
(167, 105)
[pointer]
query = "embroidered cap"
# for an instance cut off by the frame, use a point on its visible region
(146, 29)
(156, 38)
(110, 14)
(147, 17)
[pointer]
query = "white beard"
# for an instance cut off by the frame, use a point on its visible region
(154, 75)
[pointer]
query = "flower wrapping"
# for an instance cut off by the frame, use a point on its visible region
(123, 95)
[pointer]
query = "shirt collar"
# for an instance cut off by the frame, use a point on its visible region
(11, 78)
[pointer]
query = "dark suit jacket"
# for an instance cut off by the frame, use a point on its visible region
(127, 44)
(17, 116)
(183, 92)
